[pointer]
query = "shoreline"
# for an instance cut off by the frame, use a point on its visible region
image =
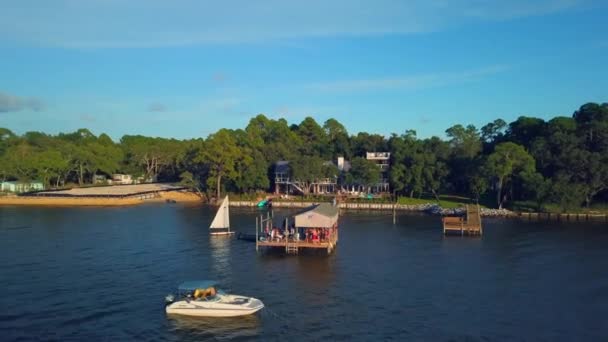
(428, 208)
(79, 201)
(434, 209)
(181, 196)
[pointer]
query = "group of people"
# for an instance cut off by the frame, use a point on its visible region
(316, 235)
(313, 235)
(201, 294)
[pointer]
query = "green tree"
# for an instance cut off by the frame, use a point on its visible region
(307, 170)
(493, 131)
(364, 142)
(569, 194)
(151, 157)
(407, 163)
(507, 160)
(435, 169)
(465, 142)
(538, 186)
(466, 147)
(188, 180)
(313, 137)
(524, 130)
(339, 141)
(592, 124)
(274, 138)
(221, 154)
(364, 172)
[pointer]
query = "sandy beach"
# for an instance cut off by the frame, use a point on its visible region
(105, 196)
(68, 201)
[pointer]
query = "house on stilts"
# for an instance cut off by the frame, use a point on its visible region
(316, 227)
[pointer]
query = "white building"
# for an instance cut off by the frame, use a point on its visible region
(21, 186)
(383, 160)
(119, 178)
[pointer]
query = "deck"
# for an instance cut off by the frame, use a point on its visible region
(469, 225)
(292, 246)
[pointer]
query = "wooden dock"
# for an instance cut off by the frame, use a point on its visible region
(293, 246)
(314, 228)
(468, 225)
(565, 217)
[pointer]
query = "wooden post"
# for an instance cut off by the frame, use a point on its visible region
(394, 215)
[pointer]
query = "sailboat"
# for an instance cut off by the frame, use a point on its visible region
(221, 222)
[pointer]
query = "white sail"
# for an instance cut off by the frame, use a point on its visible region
(222, 217)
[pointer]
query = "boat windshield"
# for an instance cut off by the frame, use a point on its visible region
(212, 299)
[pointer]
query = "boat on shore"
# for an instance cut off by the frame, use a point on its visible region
(203, 299)
(221, 222)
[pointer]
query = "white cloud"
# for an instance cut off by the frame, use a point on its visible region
(13, 103)
(158, 23)
(413, 82)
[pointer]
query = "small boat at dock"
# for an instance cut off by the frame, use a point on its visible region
(246, 237)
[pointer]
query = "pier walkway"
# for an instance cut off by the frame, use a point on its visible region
(468, 225)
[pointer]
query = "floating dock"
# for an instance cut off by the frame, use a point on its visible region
(316, 227)
(468, 225)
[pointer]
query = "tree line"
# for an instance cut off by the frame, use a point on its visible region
(562, 161)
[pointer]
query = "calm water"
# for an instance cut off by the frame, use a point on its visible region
(102, 274)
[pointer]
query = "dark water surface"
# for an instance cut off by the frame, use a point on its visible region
(102, 273)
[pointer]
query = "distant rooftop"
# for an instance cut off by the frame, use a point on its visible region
(378, 155)
(282, 166)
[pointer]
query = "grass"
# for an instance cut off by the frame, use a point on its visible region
(530, 206)
(445, 201)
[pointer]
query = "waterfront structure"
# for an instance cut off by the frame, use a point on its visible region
(285, 183)
(282, 178)
(316, 227)
(382, 159)
(468, 225)
(19, 187)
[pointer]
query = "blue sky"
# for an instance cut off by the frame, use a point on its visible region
(187, 68)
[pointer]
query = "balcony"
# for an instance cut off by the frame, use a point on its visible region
(378, 155)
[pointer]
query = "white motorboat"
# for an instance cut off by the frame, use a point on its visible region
(221, 222)
(201, 298)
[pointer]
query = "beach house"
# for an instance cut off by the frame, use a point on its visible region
(382, 160)
(19, 187)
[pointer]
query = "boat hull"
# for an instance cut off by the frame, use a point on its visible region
(222, 233)
(214, 309)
